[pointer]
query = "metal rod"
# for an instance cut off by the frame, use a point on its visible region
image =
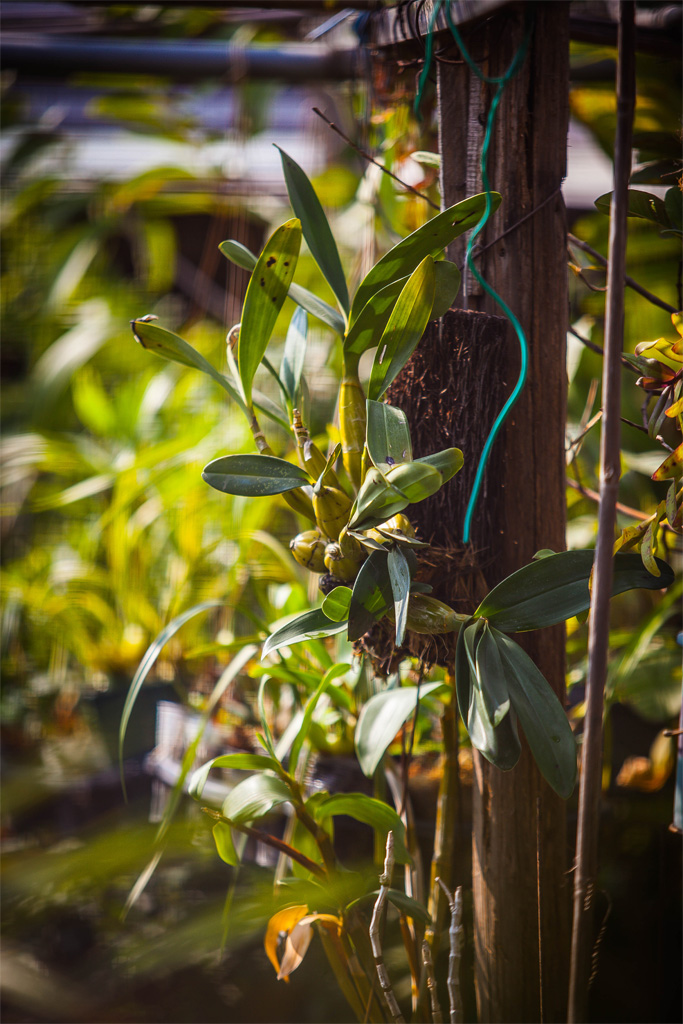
(47, 57)
(598, 641)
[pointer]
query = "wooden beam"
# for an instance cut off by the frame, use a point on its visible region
(521, 890)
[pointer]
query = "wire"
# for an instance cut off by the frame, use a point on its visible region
(501, 82)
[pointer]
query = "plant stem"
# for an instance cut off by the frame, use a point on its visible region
(455, 952)
(375, 939)
(591, 775)
(268, 840)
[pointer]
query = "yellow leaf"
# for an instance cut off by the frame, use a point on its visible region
(283, 921)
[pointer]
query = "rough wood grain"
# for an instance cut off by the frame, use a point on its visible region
(519, 844)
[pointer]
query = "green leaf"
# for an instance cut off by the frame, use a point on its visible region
(542, 717)
(367, 329)
(640, 204)
(448, 462)
(294, 355)
(254, 475)
(245, 762)
(399, 575)
(309, 626)
(315, 227)
(222, 834)
(372, 595)
(244, 258)
(491, 678)
(255, 797)
(148, 660)
(266, 292)
(553, 589)
(673, 203)
(171, 346)
(388, 435)
(499, 744)
(371, 812)
(375, 502)
(404, 329)
(336, 604)
(415, 480)
(381, 718)
(405, 904)
(429, 240)
(332, 673)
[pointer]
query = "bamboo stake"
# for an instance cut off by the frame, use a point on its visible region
(591, 775)
(456, 943)
(375, 939)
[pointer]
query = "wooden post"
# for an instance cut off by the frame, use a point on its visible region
(521, 888)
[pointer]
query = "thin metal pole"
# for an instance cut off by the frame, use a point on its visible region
(598, 640)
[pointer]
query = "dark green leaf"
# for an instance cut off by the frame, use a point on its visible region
(372, 596)
(640, 204)
(381, 718)
(491, 678)
(255, 797)
(388, 435)
(171, 346)
(310, 625)
(399, 575)
(315, 227)
(242, 257)
(542, 716)
(448, 462)
(405, 904)
(294, 355)
(404, 329)
(553, 589)
(254, 475)
(371, 812)
(673, 203)
(266, 292)
(429, 240)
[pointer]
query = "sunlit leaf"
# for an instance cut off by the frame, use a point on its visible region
(244, 762)
(222, 834)
(266, 292)
(388, 435)
(375, 502)
(672, 467)
(336, 604)
(315, 227)
(171, 346)
(255, 797)
(332, 673)
(309, 625)
(428, 240)
(381, 718)
(405, 327)
(281, 922)
(243, 257)
(555, 588)
(294, 355)
(416, 480)
(448, 462)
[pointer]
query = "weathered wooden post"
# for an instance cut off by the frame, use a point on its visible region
(520, 861)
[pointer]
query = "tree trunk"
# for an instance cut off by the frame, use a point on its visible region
(521, 890)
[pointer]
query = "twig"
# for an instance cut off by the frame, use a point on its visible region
(599, 351)
(437, 1015)
(371, 159)
(268, 840)
(456, 943)
(594, 496)
(633, 285)
(598, 639)
(518, 223)
(375, 940)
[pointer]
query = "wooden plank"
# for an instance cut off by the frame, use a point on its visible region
(521, 894)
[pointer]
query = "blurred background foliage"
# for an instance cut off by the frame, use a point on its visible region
(109, 533)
